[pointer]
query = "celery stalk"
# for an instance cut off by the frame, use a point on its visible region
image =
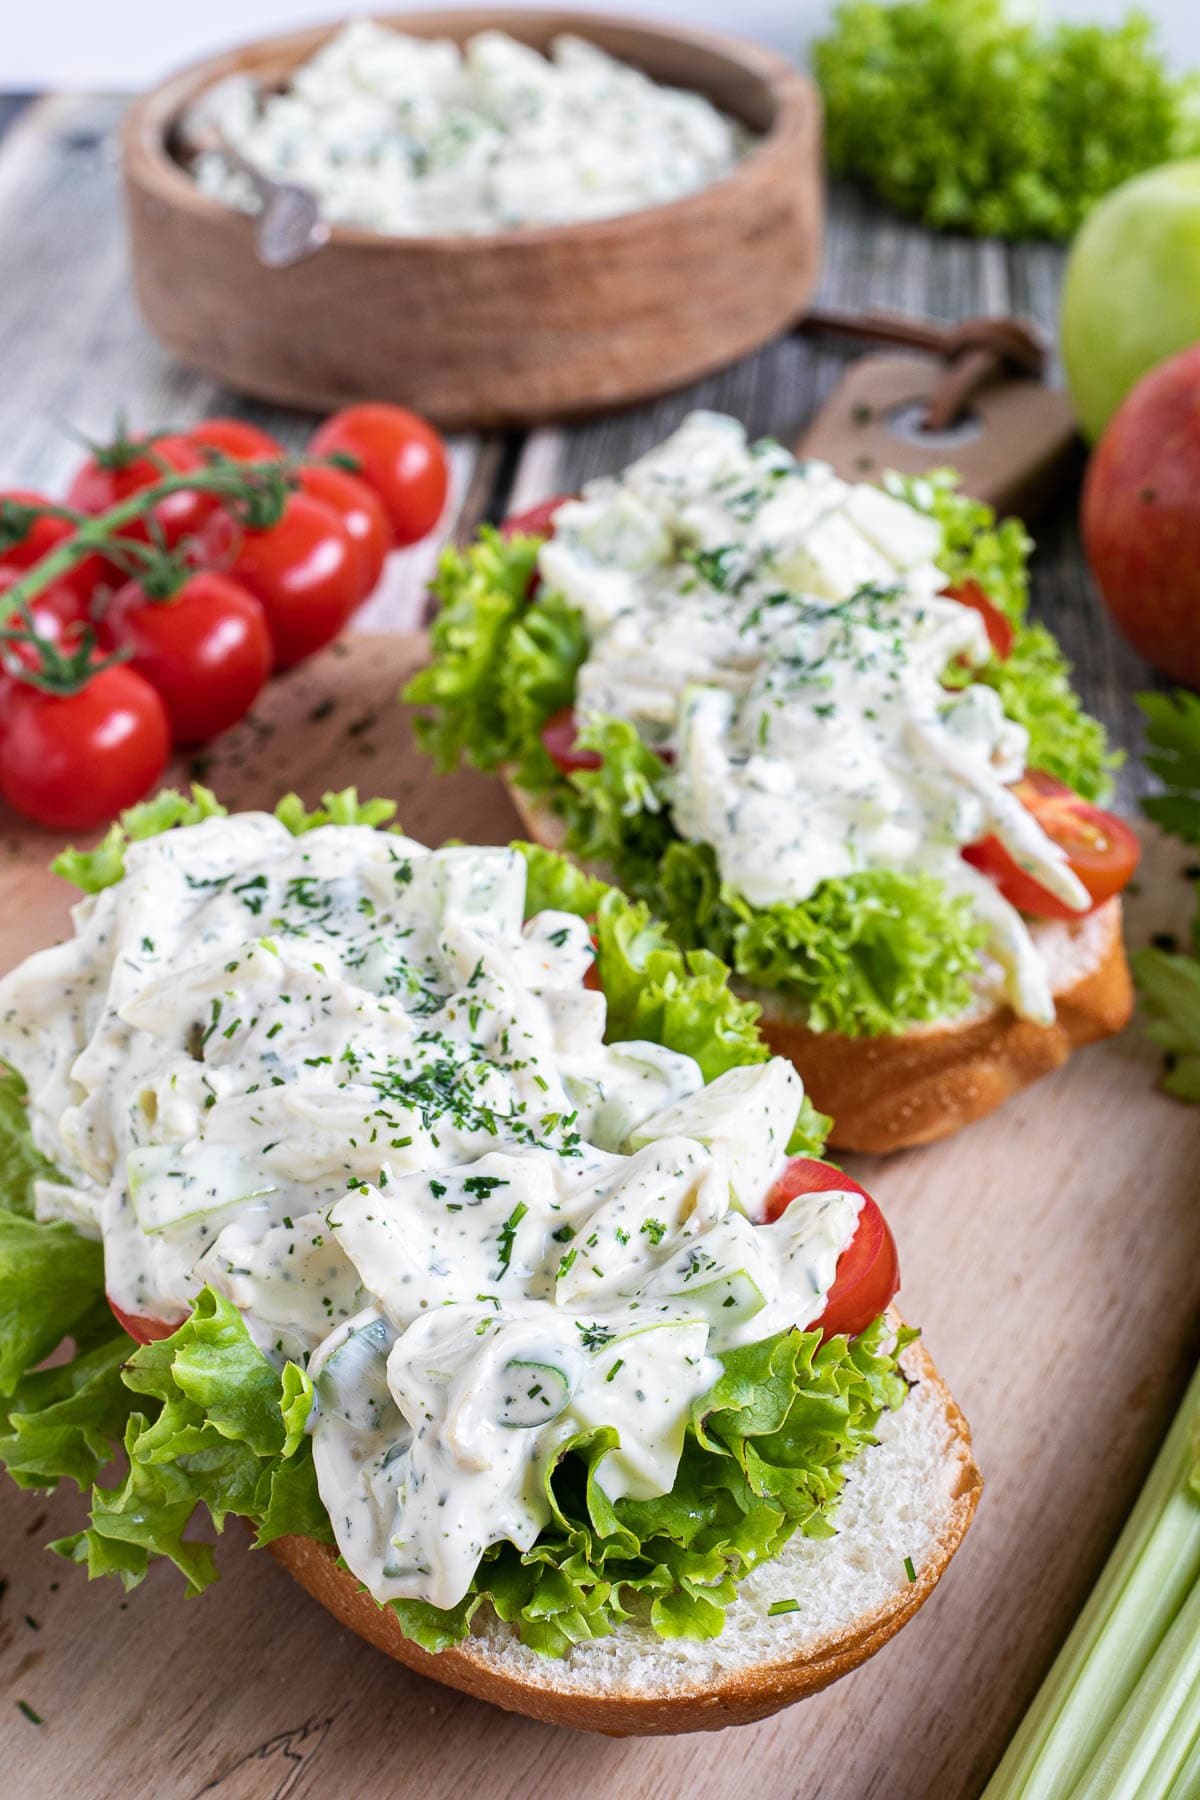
(1186, 1784)
(1143, 1588)
(1156, 1727)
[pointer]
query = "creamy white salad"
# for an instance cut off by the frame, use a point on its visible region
(781, 634)
(415, 136)
(339, 1078)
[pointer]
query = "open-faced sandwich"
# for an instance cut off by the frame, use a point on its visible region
(479, 1257)
(809, 723)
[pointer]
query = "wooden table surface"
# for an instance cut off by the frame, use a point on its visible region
(251, 1692)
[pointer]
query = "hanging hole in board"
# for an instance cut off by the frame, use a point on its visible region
(907, 422)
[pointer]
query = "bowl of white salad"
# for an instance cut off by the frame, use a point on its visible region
(495, 217)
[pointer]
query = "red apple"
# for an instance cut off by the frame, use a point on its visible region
(1141, 517)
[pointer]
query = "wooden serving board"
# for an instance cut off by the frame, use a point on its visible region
(1052, 1255)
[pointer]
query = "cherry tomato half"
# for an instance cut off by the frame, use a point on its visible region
(236, 439)
(868, 1270)
(1000, 629)
(206, 650)
(142, 1330)
(398, 455)
(537, 521)
(558, 739)
(71, 761)
(114, 474)
(44, 535)
(361, 511)
(307, 573)
(1101, 849)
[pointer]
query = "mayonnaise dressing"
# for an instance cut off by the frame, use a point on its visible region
(339, 1078)
(783, 634)
(414, 136)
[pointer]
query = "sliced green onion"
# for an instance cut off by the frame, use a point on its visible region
(782, 1606)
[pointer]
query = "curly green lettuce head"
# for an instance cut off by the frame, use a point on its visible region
(971, 115)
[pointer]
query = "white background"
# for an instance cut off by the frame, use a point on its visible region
(128, 43)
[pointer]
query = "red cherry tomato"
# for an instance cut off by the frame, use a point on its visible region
(306, 571)
(44, 535)
(538, 521)
(142, 1329)
(399, 455)
(112, 475)
(207, 650)
(361, 511)
(77, 760)
(558, 737)
(591, 975)
(1000, 630)
(1101, 849)
(58, 614)
(868, 1270)
(236, 439)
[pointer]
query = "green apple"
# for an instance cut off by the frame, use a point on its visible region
(1131, 295)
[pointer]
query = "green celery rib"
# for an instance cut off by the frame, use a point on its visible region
(1186, 1784)
(1145, 1583)
(1157, 1726)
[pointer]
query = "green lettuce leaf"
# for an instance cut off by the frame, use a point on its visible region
(92, 870)
(765, 1458)
(500, 667)
(214, 1438)
(654, 989)
(865, 954)
(344, 808)
(21, 1163)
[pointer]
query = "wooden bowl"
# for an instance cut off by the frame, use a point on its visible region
(516, 327)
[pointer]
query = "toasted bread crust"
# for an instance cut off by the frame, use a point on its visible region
(733, 1699)
(890, 1093)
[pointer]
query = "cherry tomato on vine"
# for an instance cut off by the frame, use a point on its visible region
(58, 614)
(235, 438)
(307, 573)
(43, 535)
(1101, 849)
(114, 472)
(398, 455)
(868, 1270)
(1000, 629)
(206, 650)
(361, 512)
(71, 761)
(141, 1328)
